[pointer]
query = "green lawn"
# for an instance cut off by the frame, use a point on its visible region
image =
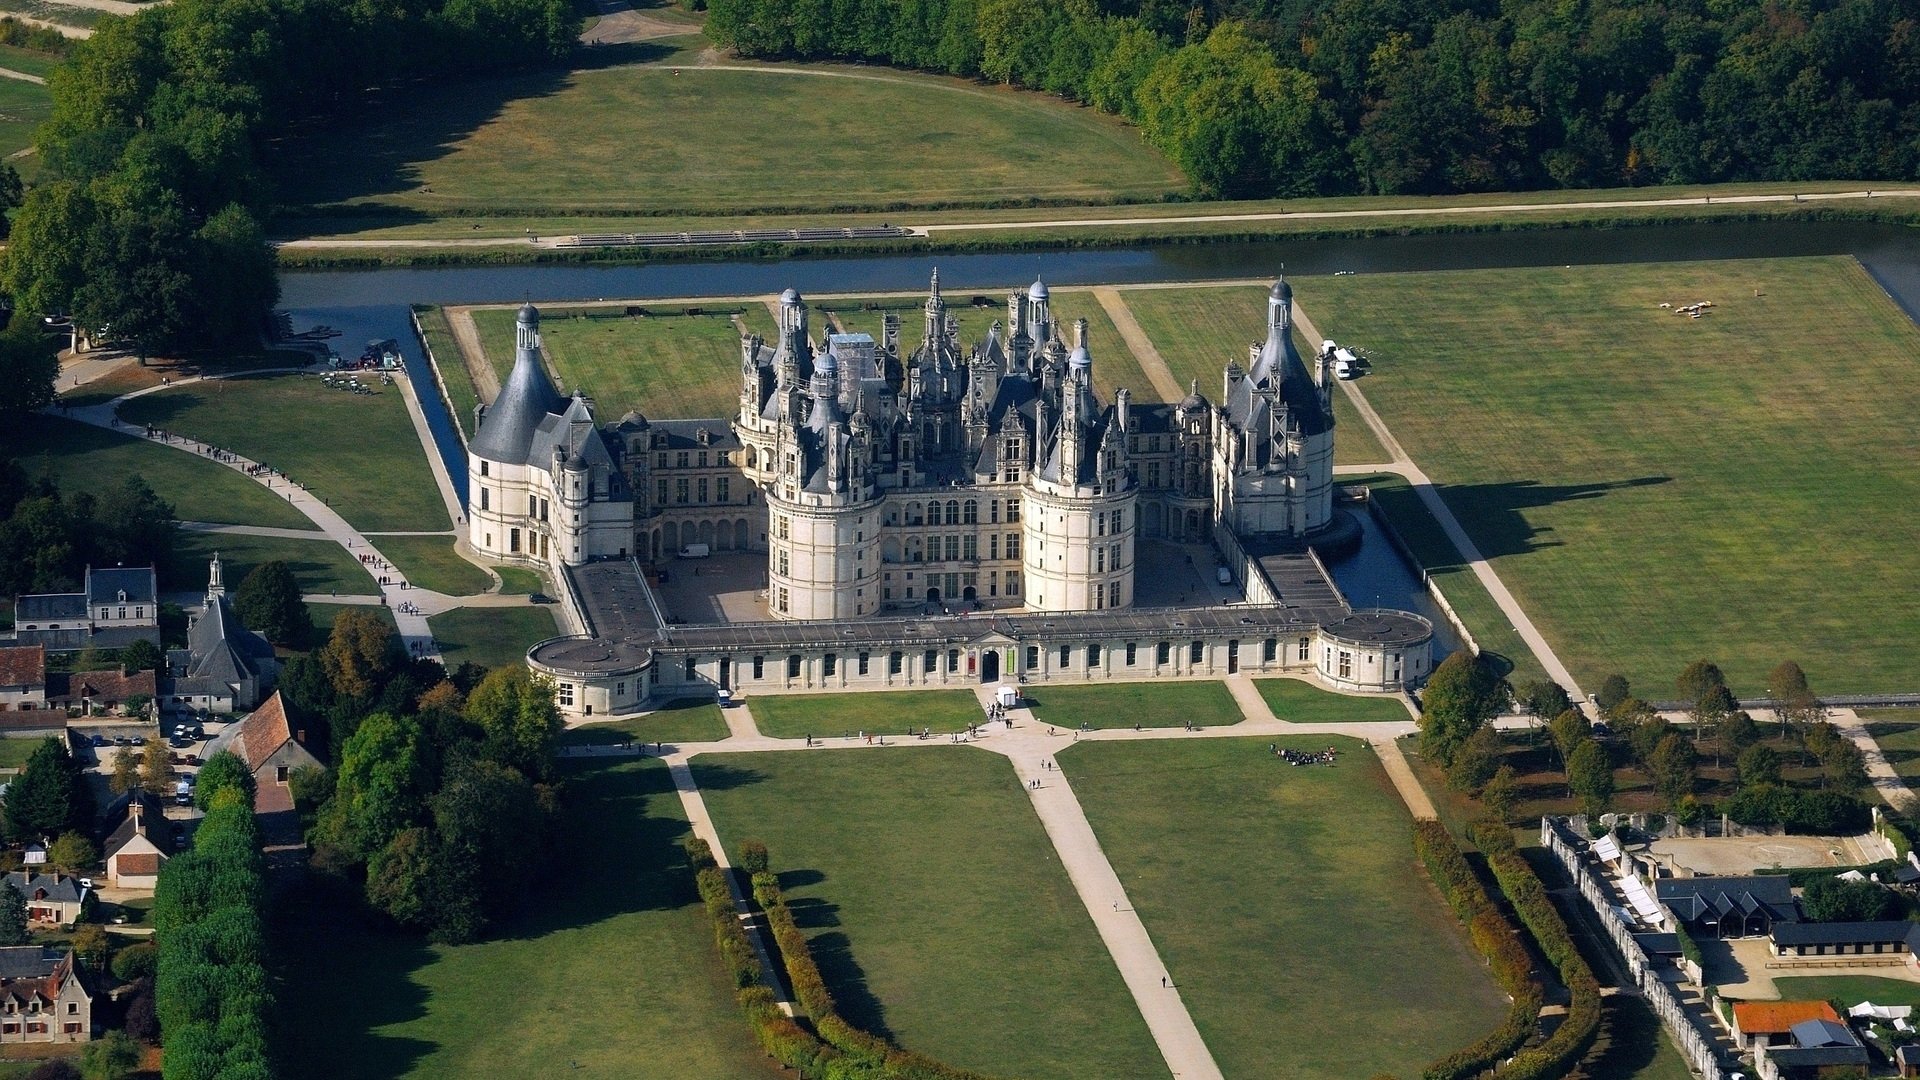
(664, 365)
(23, 105)
(460, 394)
(614, 974)
(652, 138)
(15, 751)
(64, 14)
(1287, 905)
(27, 61)
(320, 566)
(78, 455)
(1655, 488)
(1470, 599)
(1849, 989)
(514, 579)
(826, 716)
(1301, 702)
(1131, 704)
(1899, 740)
(936, 907)
(1197, 330)
(686, 720)
(359, 452)
(491, 636)
(430, 562)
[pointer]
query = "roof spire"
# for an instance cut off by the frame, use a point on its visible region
(216, 584)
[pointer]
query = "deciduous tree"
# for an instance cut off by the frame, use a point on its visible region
(1674, 766)
(1613, 690)
(1590, 776)
(269, 602)
(1461, 695)
(13, 916)
(516, 711)
(1758, 764)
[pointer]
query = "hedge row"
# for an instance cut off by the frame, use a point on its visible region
(212, 991)
(783, 1040)
(1495, 938)
(867, 1055)
(1802, 876)
(1571, 1040)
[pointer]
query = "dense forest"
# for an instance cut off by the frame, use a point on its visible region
(146, 222)
(1295, 97)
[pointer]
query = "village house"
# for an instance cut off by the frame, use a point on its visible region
(23, 678)
(134, 856)
(51, 898)
(42, 997)
(108, 690)
(113, 609)
(272, 750)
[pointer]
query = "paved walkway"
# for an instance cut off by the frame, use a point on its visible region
(1151, 362)
(253, 530)
(1031, 749)
(9, 73)
(486, 381)
(1891, 786)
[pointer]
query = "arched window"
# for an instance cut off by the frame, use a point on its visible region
(971, 512)
(953, 511)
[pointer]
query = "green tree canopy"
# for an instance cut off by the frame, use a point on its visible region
(1675, 765)
(48, 797)
(1758, 764)
(1460, 696)
(13, 916)
(140, 655)
(1830, 899)
(1613, 690)
(362, 653)
(220, 772)
(1590, 776)
(381, 787)
(72, 853)
(1544, 698)
(520, 721)
(269, 602)
(1696, 679)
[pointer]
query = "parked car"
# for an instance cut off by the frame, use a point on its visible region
(539, 598)
(1223, 575)
(98, 740)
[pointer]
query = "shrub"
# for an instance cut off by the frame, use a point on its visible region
(135, 962)
(1495, 938)
(753, 857)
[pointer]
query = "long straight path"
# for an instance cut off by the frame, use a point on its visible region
(1140, 344)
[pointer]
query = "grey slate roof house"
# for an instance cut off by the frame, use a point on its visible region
(226, 667)
(42, 997)
(54, 897)
(114, 608)
(1729, 907)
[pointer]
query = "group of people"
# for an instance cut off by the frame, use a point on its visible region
(1303, 757)
(407, 607)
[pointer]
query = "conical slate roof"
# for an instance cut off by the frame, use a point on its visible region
(527, 398)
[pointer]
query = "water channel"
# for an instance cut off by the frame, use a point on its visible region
(370, 304)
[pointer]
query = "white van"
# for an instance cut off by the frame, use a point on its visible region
(696, 551)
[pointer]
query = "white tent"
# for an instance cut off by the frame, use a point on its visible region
(1644, 905)
(1880, 1012)
(1607, 849)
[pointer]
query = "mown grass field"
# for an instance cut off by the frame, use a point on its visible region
(1655, 489)
(1300, 702)
(580, 140)
(1851, 989)
(1125, 705)
(1287, 905)
(936, 907)
(378, 1003)
(491, 637)
(666, 366)
(830, 716)
(359, 452)
(430, 562)
(78, 455)
(1198, 330)
(320, 566)
(27, 61)
(1470, 599)
(457, 384)
(23, 106)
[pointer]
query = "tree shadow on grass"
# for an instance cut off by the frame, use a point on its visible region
(333, 960)
(1494, 515)
(713, 776)
(833, 954)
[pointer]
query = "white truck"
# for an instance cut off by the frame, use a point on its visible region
(696, 551)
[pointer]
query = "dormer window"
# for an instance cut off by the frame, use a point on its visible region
(123, 596)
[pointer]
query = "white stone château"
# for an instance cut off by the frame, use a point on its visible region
(888, 482)
(542, 485)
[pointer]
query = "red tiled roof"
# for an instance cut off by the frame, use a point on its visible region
(1778, 1017)
(110, 685)
(141, 863)
(263, 733)
(23, 665)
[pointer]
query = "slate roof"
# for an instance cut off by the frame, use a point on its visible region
(136, 582)
(527, 398)
(44, 607)
(1814, 1057)
(1845, 933)
(1818, 1032)
(23, 665)
(1700, 897)
(222, 647)
(123, 824)
(60, 888)
(33, 972)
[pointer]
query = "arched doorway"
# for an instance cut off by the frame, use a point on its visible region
(989, 665)
(706, 533)
(673, 536)
(740, 534)
(723, 538)
(969, 593)
(933, 596)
